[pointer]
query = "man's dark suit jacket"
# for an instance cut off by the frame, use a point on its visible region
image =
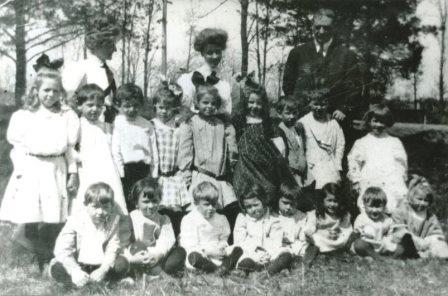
(339, 71)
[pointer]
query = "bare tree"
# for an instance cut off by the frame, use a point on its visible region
(147, 42)
(164, 37)
(442, 7)
(244, 37)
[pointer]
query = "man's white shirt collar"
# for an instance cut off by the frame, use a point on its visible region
(326, 46)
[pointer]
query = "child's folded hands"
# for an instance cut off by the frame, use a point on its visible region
(139, 257)
(99, 274)
(80, 278)
(217, 251)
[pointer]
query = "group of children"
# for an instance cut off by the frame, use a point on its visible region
(151, 195)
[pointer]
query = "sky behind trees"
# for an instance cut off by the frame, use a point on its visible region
(225, 14)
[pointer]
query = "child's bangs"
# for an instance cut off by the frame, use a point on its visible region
(374, 197)
(420, 191)
(150, 194)
(99, 193)
(206, 191)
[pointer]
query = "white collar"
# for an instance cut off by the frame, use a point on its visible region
(326, 46)
(94, 59)
(206, 70)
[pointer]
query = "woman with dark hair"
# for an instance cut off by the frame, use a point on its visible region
(210, 43)
(100, 38)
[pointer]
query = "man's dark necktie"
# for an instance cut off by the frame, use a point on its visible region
(111, 111)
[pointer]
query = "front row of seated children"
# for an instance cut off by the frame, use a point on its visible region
(97, 243)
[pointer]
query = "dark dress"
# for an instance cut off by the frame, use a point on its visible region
(260, 162)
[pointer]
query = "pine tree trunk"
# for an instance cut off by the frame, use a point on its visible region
(164, 38)
(20, 87)
(123, 42)
(257, 40)
(442, 57)
(147, 49)
(190, 44)
(244, 41)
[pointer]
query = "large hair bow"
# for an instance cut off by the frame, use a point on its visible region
(198, 79)
(44, 62)
(173, 87)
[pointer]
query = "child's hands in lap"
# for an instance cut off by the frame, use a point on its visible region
(262, 256)
(149, 259)
(139, 257)
(98, 274)
(80, 278)
(333, 234)
(217, 252)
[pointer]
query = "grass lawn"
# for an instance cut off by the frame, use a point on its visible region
(339, 275)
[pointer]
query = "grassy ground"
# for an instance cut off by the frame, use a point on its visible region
(340, 275)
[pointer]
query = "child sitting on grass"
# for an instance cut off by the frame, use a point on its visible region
(291, 219)
(204, 233)
(152, 249)
(419, 222)
(88, 246)
(328, 227)
(260, 235)
(375, 227)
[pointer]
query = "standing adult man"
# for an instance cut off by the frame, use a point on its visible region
(325, 62)
(101, 36)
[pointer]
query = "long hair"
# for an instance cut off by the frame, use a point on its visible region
(333, 189)
(31, 101)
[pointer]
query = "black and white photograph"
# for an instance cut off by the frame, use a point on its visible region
(223, 147)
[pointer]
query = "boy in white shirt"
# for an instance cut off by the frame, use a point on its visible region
(130, 139)
(153, 248)
(87, 248)
(204, 234)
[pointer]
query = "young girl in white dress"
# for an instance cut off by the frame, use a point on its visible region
(325, 142)
(95, 151)
(43, 138)
(328, 227)
(379, 160)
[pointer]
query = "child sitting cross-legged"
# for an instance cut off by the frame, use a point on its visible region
(204, 234)
(87, 248)
(260, 235)
(419, 222)
(291, 219)
(328, 227)
(152, 249)
(375, 228)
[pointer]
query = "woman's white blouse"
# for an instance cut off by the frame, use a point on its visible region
(189, 90)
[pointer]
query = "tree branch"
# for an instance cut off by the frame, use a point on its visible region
(213, 10)
(51, 38)
(9, 34)
(5, 3)
(6, 54)
(46, 32)
(54, 46)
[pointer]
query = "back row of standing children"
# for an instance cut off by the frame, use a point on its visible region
(54, 150)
